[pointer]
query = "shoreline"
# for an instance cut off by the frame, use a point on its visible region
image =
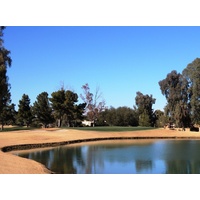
(40, 138)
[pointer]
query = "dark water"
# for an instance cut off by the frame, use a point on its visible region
(122, 157)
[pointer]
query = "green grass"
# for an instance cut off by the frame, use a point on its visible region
(97, 128)
(112, 128)
(17, 128)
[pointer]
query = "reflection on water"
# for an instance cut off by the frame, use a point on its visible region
(132, 157)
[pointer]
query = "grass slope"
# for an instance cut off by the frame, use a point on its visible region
(112, 128)
(17, 128)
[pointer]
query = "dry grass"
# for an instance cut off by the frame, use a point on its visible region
(11, 164)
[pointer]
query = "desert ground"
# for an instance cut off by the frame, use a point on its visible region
(12, 164)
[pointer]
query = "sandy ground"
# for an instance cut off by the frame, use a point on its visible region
(11, 164)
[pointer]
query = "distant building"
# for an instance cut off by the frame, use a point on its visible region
(87, 123)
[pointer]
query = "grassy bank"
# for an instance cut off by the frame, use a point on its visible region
(16, 128)
(97, 128)
(112, 128)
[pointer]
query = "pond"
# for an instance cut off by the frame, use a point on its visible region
(121, 157)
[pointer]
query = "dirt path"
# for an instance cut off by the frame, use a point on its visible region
(11, 164)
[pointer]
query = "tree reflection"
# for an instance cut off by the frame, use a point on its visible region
(143, 165)
(182, 167)
(59, 160)
(183, 157)
(94, 160)
(171, 157)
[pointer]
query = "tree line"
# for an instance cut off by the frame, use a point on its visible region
(62, 108)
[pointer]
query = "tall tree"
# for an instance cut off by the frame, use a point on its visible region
(64, 107)
(78, 113)
(42, 109)
(144, 119)
(25, 115)
(10, 114)
(175, 88)
(160, 119)
(5, 96)
(121, 116)
(95, 104)
(192, 75)
(70, 99)
(58, 104)
(144, 105)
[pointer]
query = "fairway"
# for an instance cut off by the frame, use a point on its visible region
(113, 128)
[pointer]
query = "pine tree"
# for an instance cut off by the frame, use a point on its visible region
(42, 109)
(5, 96)
(24, 112)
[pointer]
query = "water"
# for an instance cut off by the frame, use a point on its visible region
(122, 157)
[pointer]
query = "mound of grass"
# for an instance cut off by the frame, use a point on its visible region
(113, 128)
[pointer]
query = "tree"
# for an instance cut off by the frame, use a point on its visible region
(95, 104)
(192, 74)
(175, 88)
(24, 115)
(65, 108)
(78, 113)
(42, 109)
(121, 116)
(5, 96)
(144, 105)
(160, 120)
(126, 117)
(58, 100)
(10, 114)
(109, 116)
(144, 119)
(71, 99)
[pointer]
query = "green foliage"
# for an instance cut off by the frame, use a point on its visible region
(122, 116)
(175, 88)
(70, 99)
(58, 105)
(5, 96)
(65, 109)
(192, 74)
(160, 119)
(144, 105)
(42, 109)
(78, 114)
(24, 116)
(144, 119)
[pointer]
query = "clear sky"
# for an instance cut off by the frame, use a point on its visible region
(120, 60)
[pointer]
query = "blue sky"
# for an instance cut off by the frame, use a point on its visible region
(120, 60)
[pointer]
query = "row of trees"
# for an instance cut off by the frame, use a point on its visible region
(62, 108)
(182, 92)
(142, 114)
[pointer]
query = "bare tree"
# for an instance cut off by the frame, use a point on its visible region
(95, 103)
